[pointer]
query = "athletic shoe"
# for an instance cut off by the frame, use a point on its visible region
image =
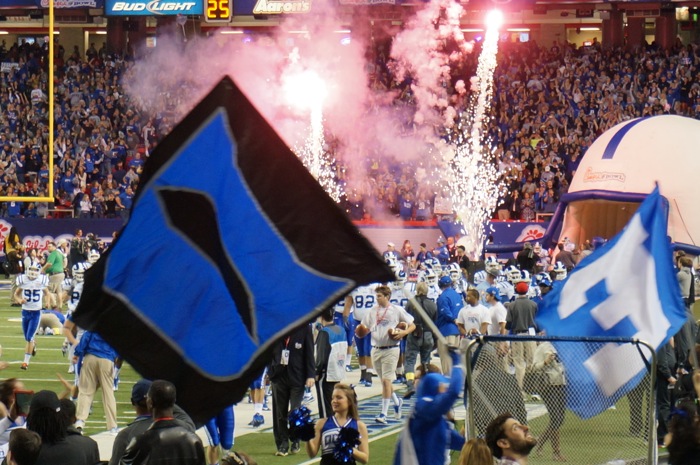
(65, 347)
(348, 368)
(368, 383)
(116, 384)
(24, 366)
(71, 369)
(257, 420)
(34, 350)
(381, 418)
(397, 409)
(79, 424)
(397, 381)
(266, 408)
(281, 453)
(114, 431)
(295, 448)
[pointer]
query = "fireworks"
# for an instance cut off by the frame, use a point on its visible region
(305, 91)
(475, 184)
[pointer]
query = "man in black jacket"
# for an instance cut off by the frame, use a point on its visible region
(168, 440)
(665, 379)
(420, 341)
(292, 369)
(143, 420)
(15, 267)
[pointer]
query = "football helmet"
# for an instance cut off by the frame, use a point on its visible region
(512, 274)
(455, 272)
(560, 270)
(400, 279)
(79, 271)
(93, 256)
(543, 279)
(430, 277)
(433, 264)
(493, 266)
(33, 271)
(522, 277)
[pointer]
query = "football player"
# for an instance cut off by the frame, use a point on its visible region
(220, 435)
(362, 300)
(433, 264)
(73, 290)
(257, 394)
(398, 297)
(559, 271)
(343, 318)
(30, 292)
(93, 256)
(492, 267)
(459, 282)
(431, 279)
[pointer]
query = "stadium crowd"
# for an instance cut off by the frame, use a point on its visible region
(550, 105)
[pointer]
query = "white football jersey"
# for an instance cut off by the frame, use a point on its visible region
(32, 290)
(398, 297)
(433, 292)
(363, 299)
(74, 295)
(339, 306)
(461, 286)
(507, 290)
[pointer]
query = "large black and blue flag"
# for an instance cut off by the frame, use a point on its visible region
(626, 289)
(230, 245)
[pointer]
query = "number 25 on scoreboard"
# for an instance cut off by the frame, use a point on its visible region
(218, 11)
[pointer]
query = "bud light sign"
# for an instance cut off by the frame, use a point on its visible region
(153, 7)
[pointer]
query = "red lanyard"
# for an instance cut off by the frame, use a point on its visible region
(380, 319)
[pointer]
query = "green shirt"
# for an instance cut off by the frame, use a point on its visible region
(55, 258)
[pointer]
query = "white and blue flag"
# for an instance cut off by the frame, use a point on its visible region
(626, 289)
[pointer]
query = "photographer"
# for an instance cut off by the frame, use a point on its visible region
(15, 262)
(78, 248)
(93, 243)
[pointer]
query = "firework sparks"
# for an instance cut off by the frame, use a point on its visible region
(305, 91)
(475, 177)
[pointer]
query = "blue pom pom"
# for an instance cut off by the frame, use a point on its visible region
(301, 425)
(348, 439)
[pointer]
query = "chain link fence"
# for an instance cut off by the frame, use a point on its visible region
(525, 375)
